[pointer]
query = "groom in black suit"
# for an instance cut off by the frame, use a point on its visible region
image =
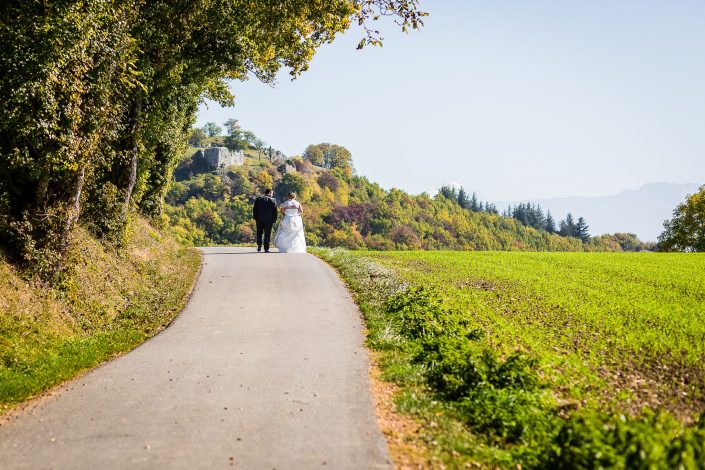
(265, 214)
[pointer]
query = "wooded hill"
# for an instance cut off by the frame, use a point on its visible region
(348, 210)
(97, 98)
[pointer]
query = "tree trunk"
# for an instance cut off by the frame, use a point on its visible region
(131, 177)
(127, 173)
(73, 210)
(42, 189)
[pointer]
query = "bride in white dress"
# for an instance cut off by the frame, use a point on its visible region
(290, 233)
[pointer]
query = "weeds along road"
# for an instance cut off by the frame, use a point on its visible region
(265, 368)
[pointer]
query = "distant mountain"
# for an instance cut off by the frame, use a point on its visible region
(640, 211)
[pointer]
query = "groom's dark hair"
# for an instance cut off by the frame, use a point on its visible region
(268, 192)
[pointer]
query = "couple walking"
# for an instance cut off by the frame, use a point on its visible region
(289, 237)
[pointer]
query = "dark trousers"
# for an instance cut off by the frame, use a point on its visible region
(266, 230)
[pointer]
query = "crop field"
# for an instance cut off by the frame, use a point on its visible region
(563, 360)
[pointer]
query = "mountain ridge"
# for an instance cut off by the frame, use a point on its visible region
(641, 211)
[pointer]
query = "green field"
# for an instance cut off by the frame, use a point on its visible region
(542, 359)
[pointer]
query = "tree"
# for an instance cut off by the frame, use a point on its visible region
(405, 237)
(212, 129)
(337, 156)
(581, 230)
(449, 192)
(463, 198)
(292, 183)
(529, 214)
(66, 68)
(236, 136)
(197, 138)
(250, 138)
(260, 146)
(264, 180)
(475, 204)
(686, 230)
(628, 241)
(549, 224)
(328, 180)
(568, 227)
(314, 154)
(491, 208)
(329, 156)
(232, 127)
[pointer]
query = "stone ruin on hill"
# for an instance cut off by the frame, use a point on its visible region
(287, 167)
(213, 158)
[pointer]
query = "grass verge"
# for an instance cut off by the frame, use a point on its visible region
(109, 302)
(486, 398)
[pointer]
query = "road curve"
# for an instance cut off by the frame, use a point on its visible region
(265, 368)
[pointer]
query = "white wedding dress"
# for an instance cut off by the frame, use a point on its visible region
(290, 233)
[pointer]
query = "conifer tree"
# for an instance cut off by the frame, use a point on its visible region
(568, 227)
(549, 224)
(463, 198)
(475, 203)
(581, 230)
(491, 208)
(532, 216)
(448, 192)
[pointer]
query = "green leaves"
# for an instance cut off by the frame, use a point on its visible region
(686, 230)
(69, 65)
(102, 94)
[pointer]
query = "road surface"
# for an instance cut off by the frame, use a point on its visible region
(265, 368)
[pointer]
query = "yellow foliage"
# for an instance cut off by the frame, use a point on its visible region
(264, 180)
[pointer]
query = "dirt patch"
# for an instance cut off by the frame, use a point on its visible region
(481, 284)
(659, 386)
(401, 432)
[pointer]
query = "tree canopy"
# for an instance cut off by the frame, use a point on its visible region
(329, 156)
(212, 129)
(686, 230)
(98, 97)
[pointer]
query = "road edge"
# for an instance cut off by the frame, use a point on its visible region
(36, 400)
(400, 431)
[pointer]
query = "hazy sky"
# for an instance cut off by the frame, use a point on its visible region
(513, 99)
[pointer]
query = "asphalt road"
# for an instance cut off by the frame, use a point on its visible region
(265, 368)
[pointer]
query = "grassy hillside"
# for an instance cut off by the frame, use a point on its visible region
(561, 360)
(107, 302)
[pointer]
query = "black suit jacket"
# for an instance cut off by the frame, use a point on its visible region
(265, 210)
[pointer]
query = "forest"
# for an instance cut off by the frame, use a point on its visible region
(348, 210)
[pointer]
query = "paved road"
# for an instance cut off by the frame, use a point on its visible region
(265, 368)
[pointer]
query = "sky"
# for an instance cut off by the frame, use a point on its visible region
(515, 100)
